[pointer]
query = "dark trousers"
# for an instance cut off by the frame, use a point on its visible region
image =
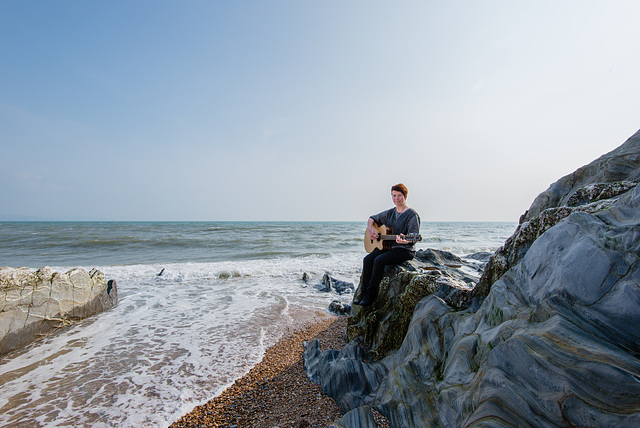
(374, 263)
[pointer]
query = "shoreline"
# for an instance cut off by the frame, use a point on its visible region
(276, 392)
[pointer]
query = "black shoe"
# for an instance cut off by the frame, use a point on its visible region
(367, 301)
(363, 295)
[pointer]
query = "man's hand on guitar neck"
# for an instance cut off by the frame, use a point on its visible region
(400, 240)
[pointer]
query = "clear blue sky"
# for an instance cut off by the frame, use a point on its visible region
(306, 110)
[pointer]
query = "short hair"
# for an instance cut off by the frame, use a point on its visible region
(400, 188)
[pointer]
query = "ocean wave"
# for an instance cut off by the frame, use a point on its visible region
(339, 263)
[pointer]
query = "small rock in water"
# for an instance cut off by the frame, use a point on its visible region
(341, 287)
(339, 308)
(225, 274)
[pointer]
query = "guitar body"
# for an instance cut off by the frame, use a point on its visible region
(380, 243)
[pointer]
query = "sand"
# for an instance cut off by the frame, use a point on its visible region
(276, 392)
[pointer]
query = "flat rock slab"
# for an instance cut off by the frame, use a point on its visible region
(35, 302)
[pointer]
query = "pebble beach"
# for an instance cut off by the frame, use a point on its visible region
(276, 392)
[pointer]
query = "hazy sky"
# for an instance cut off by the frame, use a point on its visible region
(307, 110)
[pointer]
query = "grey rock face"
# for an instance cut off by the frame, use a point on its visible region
(591, 189)
(33, 303)
(554, 341)
(616, 166)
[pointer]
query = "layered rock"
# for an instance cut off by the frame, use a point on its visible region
(551, 339)
(33, 303)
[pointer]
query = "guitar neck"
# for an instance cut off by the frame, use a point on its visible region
(410, 237)
(388, 237)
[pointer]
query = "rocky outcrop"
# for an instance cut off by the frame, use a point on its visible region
(591, 189)
(32, 303)
(617, 166)
(382, 326)
(553, 340)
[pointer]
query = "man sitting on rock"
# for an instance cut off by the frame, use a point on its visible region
(404, 221)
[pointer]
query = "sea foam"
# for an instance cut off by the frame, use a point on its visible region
(173, 341)
(196, 310)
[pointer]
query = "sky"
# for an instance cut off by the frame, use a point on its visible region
(306, 110)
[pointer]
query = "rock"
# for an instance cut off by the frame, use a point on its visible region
(617, 166)
(456, 267)
(591, 189)
(552, 341)
(438, 258)
(36, 302)
(482, 256)
(360, 417)
(329, 283)
(360, 378)
(382, 326)
(339, 308)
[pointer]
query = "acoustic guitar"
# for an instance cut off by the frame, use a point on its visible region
(386, 238)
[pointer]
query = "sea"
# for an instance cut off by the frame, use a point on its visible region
(199, 303)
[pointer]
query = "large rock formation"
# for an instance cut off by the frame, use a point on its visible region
(591, 189)
(33, 303)
(382, 326)
(551, 338)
